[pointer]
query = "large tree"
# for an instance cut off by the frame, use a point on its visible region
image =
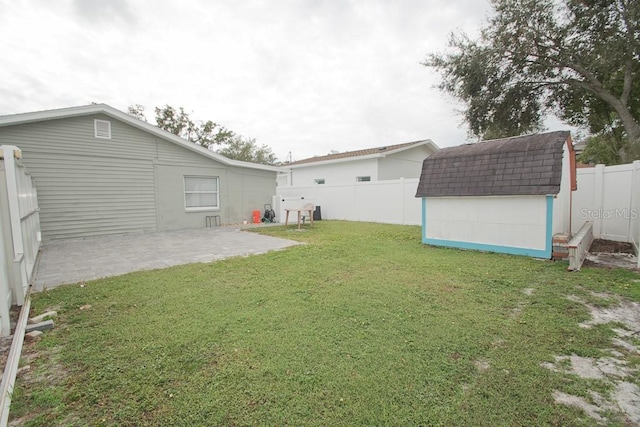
(577, 59)
(246, 149)
(178, 122)
(208, 134)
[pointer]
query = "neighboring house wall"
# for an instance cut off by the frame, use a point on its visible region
(133, 182)
(512, 224)
(405, 164)
(374, 164)
(335, 172)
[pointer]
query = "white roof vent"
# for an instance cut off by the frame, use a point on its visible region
(102, 129)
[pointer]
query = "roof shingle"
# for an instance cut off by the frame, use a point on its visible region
(525, 165)
(356, 153)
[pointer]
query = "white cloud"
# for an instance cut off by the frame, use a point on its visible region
(302, 76)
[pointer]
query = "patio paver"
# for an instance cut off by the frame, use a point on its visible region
(76, 260)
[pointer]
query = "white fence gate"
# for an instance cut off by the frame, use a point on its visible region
(19, 232)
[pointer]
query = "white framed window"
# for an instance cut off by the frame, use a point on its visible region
(363, 178)
(201, 193)
(102, 129)
(319, 181)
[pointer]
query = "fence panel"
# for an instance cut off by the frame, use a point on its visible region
(608, 197)
(19, 229)
(391, 201)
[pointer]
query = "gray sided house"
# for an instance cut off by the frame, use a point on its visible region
(100, 171)
(508, 195)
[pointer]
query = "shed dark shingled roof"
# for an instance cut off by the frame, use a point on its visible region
(525, 165)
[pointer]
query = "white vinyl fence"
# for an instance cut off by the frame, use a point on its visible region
(391, 201)
(609, 197)
(19, 232)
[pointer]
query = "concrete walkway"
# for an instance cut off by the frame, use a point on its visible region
(76, 260)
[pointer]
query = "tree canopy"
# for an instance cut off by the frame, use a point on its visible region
(208, 134)
(576, 59)
(246, 149)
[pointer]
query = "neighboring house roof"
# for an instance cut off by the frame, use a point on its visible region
(63, 113)
(525, 165)
(364, 154)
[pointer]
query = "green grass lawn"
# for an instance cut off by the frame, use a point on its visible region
(363, 325)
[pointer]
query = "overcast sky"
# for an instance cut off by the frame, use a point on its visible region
(301, 76)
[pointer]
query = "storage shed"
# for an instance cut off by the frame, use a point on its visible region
(507, 195)
(100, 171)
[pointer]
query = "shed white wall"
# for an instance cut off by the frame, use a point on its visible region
(499, 222)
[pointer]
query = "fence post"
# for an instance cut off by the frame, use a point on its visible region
(402, 197)
(598, 201)
(5, 283)
(634, 206)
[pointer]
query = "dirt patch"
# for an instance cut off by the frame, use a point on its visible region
(609, 246)
(610, 254)
(482, 365)
(625, 396)
(5, 342)
(611, 260)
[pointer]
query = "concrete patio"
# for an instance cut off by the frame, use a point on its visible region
(76, 260)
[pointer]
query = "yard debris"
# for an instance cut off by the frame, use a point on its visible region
(43, 316)
(22, 369)
(32, 336)
(40, 326)
(86, 307)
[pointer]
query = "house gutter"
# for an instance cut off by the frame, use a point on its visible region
(11, 368)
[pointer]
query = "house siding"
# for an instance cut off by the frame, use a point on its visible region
(242, 190)
(131, 183)
(88, 186)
